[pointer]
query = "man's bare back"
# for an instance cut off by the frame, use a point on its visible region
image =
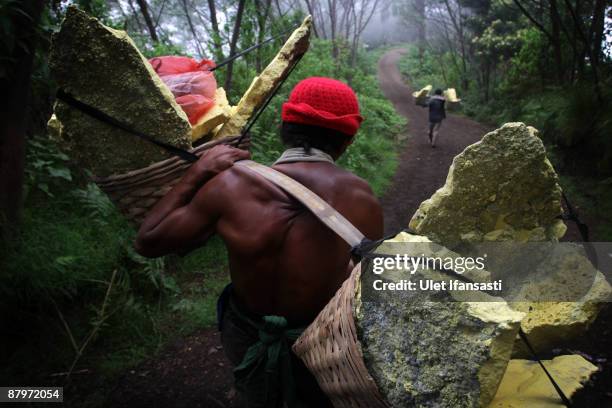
(283, 261)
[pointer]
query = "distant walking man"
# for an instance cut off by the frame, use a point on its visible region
(437, 114)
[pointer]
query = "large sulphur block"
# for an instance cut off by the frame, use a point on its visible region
(263, 85)
(452, 102)
(215, 116)
(574, 292)
(420, 97)
(504, 188)
(102, 67)
(431, 349)
(501, 188)
(451, 95)
(525, 385)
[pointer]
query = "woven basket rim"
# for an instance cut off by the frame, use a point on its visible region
(331, 350)
(163, 164)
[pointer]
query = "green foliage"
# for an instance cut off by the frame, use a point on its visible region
(96, 8)
(161, 49)
(61, 263)
(592, 198)
(422, 73)
(570, 117)
(499, 41)
(524, 70)
(46, 166)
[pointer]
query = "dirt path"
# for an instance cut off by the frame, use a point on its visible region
(422, 170)
(191, 372)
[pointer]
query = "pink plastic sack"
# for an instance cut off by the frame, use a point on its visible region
(191, 82)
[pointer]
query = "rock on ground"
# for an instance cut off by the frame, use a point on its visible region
(103, 68)
(430, 350)
(525, 385)
(501, 188)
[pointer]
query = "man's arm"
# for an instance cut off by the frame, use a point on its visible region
(179, 222)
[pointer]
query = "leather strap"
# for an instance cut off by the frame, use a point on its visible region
(323, 211)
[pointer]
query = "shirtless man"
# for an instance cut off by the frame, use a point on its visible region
(285, 265)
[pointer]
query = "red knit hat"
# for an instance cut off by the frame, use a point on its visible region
(323, 102)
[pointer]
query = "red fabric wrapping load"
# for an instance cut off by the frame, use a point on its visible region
(191, 82)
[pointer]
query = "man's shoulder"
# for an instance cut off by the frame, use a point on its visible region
(356, 183)
(345, 191)
(328, 178)
(334, 179)
(360, 205)
(233, 183)
(235, 179)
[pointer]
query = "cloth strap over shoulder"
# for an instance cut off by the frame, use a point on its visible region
(323, 211)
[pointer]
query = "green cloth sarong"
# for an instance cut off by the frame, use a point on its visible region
(269, 359)
(267, 373)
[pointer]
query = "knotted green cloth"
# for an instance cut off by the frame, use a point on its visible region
(266, 367)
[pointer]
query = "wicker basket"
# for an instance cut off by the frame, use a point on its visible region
(135, 192)
(331, 350)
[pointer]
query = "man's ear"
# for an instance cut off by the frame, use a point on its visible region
(344, 146)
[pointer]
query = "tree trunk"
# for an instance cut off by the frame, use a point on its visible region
(193, 30)
(419, 6)
(215, 28)
(332, 27)
(556, 40)
(588, 50)
(135, 13)
(262, 18)
(234, 42)
(597, 31)
(311, 11)
(13, 123)
(144, 9)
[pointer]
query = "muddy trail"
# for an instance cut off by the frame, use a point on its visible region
(193, 371)
(422, 169)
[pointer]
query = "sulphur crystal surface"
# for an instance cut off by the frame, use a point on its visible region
(504, 188)
(452, 101)
(525, 385)
(217, 115)
(431, 349)
(420, 96)
(102, 67)
(501, 188)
